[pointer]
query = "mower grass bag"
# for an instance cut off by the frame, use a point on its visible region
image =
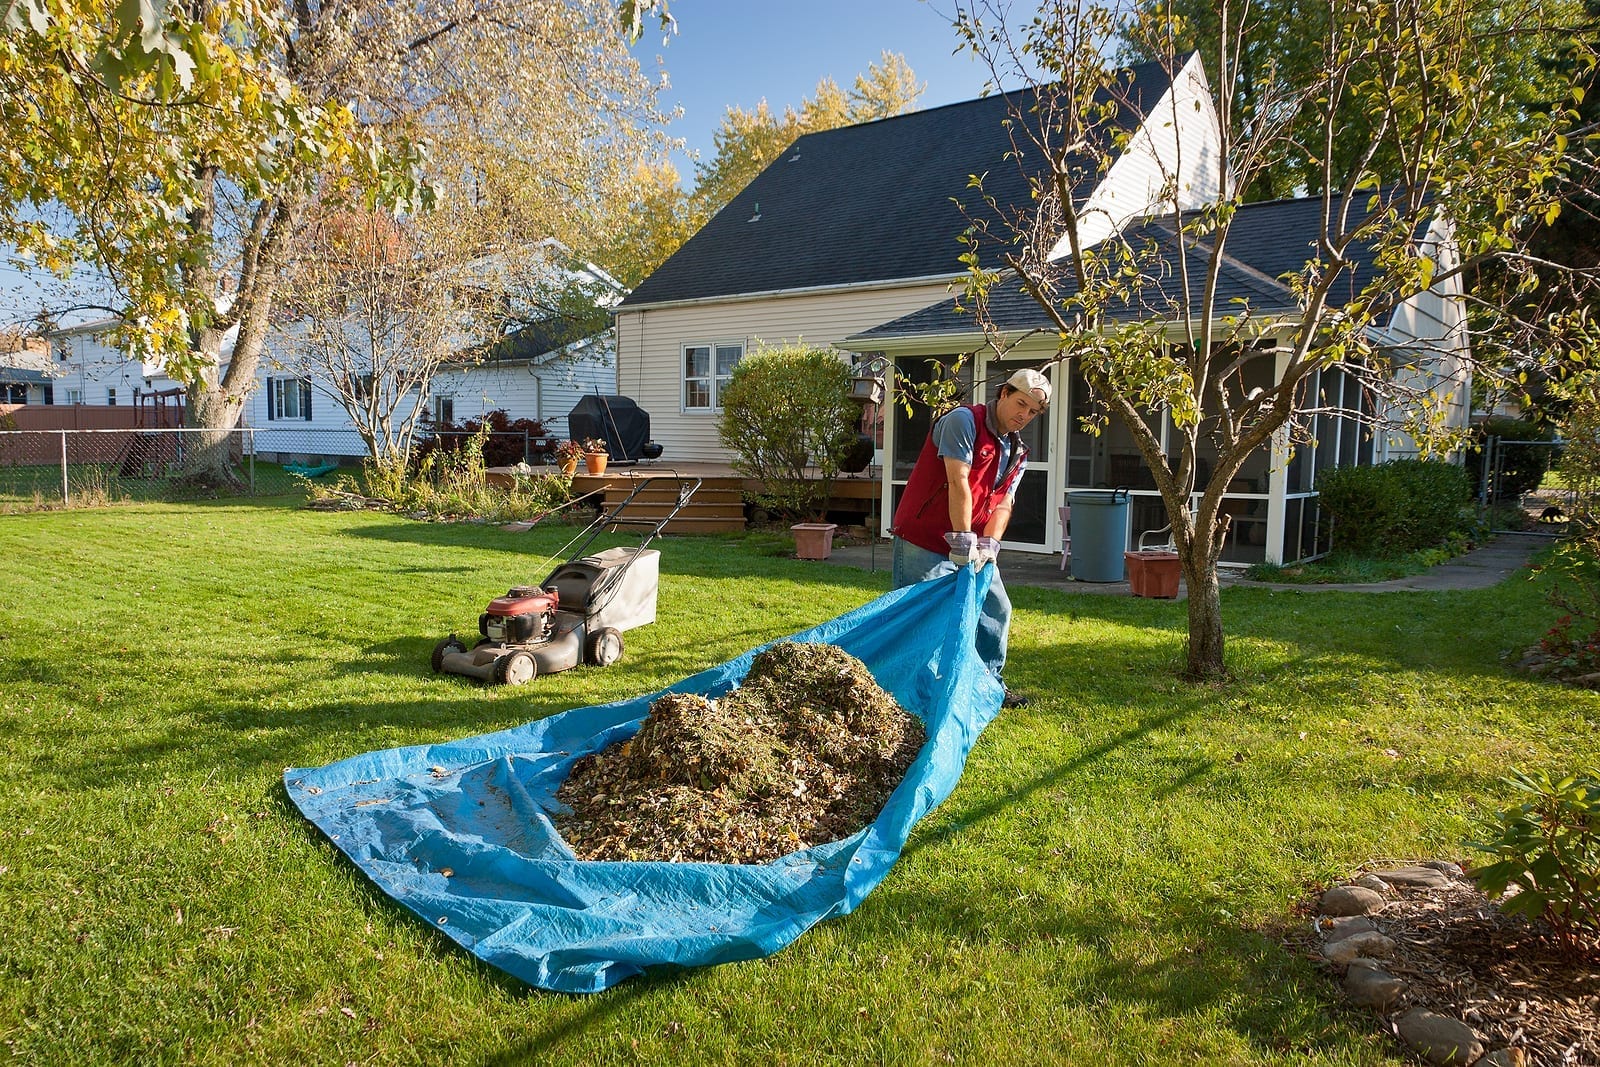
(460, 832)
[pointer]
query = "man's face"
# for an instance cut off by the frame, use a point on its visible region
(1015, 410)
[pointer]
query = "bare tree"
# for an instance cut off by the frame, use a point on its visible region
(377, 306)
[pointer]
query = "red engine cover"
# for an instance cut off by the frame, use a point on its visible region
(524, 600)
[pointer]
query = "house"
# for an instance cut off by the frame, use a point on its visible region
(537, 371)
(25, 370)
(93, 383)
(851, 239)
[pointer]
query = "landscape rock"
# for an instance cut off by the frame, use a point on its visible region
(1341, 928)
(1444, 866)
(1503, 1057)
(1370, 986)
(1421, 875)
(1372, 882)
(1343, 900)
(1439, 1039)
(1369, 944)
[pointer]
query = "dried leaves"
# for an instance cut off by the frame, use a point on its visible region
(806, 751)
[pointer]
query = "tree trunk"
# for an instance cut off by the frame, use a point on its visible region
(209, 454)
(1204, 662)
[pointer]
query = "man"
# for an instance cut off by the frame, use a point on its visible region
(957, 502)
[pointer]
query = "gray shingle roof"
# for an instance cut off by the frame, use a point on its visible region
(862, 204)
(1265, 242)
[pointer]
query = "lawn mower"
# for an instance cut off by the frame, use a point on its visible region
(578, 613)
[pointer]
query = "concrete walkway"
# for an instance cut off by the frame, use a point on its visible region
(1478, 569)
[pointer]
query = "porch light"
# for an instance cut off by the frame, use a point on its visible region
(866, 381)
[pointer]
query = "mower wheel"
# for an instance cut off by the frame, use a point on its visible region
(604, 646)
(444, 648)
(517, 668)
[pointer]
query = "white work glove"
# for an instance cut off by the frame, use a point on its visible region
(963, 546)
(988, 551)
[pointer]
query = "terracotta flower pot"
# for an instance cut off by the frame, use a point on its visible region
(595, 462)
(813, 540)
(569, 465)
(1153, 574)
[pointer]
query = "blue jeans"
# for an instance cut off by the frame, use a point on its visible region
(913, 564)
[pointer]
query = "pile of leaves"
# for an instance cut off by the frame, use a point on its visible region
(805, 751)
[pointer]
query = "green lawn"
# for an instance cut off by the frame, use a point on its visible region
(1102, 887)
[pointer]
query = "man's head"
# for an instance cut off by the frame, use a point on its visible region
(1022, 397)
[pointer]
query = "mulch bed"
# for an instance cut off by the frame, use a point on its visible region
(805, 751)
(1507, 978)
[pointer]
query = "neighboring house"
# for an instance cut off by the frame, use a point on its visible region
(851, 239)
(536, 372)
(25, 370)
(86, 367)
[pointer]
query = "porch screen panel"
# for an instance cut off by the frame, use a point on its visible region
(911, 430)
(1028, 512)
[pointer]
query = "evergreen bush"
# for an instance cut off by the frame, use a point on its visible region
(1395, 507)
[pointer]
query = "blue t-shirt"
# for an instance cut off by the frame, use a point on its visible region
(956, 435)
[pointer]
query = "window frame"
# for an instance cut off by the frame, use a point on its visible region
(712, 381)
(277, 410)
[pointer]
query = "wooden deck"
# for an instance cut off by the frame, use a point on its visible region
(718, 505)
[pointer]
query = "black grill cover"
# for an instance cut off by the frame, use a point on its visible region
(623, 425)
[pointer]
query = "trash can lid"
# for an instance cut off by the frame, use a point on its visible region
(1097, 497)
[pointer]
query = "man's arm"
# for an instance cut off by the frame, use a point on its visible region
(999, 519)
(958, 474)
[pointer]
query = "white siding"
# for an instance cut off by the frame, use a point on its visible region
(1174, 157)
(650, 347)
(1432, 328)
(95, 367)
(545, 389)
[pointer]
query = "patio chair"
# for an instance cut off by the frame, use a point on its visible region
(1066, 535)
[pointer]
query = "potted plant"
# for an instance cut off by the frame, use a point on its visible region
(595, 455)
(567, 453)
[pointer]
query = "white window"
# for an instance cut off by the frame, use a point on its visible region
(444, 409)
(111, 398)
(706, 369)
(74, 396)
(289, 398)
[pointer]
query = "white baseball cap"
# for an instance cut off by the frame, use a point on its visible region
(1031, 381)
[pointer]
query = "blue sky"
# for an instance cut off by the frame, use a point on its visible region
(739, 52)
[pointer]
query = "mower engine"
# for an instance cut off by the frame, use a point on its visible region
(525, 615)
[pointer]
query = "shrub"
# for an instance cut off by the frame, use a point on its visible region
(1395, 507)
(1522, 466)
(1548, 848)
(784, 410)
(503, 445)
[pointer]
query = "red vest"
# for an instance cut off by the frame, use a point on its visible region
(923, 517)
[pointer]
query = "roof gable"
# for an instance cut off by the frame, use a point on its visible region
(865, 204)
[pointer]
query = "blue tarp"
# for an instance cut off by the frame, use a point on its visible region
(460, 832)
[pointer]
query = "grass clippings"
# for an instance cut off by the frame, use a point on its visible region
(805, 751)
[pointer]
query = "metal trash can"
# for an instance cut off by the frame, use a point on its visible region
(1099, 533)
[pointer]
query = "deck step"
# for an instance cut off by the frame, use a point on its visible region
(717, 506)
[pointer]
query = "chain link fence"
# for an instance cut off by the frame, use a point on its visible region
(55, 468)
(1512, 474)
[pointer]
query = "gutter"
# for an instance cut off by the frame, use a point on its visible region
(814, 290)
